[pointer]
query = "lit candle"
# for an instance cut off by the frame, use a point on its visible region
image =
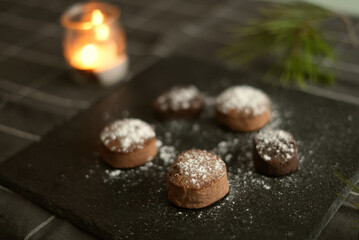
(95, 57)
(94, 42)
(102, 31)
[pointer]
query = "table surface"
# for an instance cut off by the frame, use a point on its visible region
(37, 94)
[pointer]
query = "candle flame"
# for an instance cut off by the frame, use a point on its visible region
(97, 17)
(89, 54)
(102, 31)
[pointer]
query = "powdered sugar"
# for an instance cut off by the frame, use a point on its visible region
(133, 176)
(114, 173)
(278, 143)
(178, 98)
(247, 99)
(197, 168)
(167, 154)
(126, 135)
(266, 157)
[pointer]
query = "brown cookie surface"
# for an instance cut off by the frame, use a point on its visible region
(197, 179)
(179, 102)
(243, 108)
(128, 143)
(275, 153)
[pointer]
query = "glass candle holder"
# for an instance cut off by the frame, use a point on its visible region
(94, 42)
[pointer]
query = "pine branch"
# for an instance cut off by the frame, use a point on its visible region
(291, 34)
(346, 181)
(350, 184)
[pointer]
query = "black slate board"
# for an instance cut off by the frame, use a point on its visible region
(64, 172)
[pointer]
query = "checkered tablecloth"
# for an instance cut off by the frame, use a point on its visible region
(37, 93)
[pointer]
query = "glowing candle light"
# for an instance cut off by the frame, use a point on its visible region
(102, 32)
(97, 17)
(89, 54)
(94, 41)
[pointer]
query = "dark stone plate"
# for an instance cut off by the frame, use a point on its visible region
(65, 174)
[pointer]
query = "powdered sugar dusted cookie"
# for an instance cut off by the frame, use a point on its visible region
(179, 102)
(197, 179)
(128, 143)
(275, 153)
(243, 108)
